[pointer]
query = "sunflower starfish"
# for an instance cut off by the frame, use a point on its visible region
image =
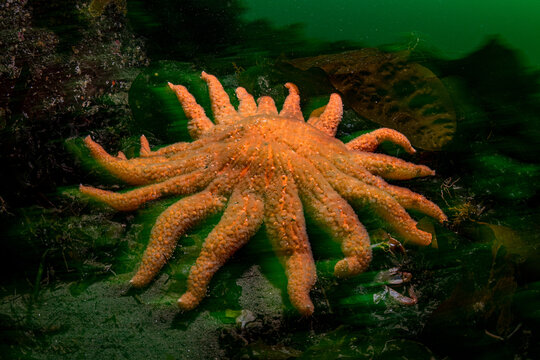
(262, 166)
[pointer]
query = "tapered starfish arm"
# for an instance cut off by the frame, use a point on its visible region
(247, 105)
(301, 276)
(338, 218)
(413, 201)
(370, 141)
(160, 172)
(224, 112)
(386, 207)
(103, 156)
(169, 227)
(286, 229)
(291, 106)
(390, 167)
(266, 106)
(406, 198)
(179, 150)
(330, 118)
(240, 221)
(166, 150)
(131, 200)
(145, 147)
(142, 171)
(198, 123)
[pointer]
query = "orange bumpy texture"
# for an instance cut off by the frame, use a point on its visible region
(258, 165)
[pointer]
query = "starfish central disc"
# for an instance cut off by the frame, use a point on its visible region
(258, 165)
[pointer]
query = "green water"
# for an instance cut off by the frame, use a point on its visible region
(455, 28)
(466, 72)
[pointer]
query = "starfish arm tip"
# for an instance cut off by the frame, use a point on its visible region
(187, 301)
(341, 270)
(87, 190)
(307, 309)
(145, 146)
(423, 170)
(425, 241)
(291, 87)
(351, 266)
(137, 281)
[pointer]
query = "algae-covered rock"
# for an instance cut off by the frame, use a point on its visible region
(388, 89)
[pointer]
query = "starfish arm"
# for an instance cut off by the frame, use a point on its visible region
(198, 123)
(247, 106)
(141, 171)
(145, 147)
(266, 106)
(286, 229)
(301, 276)
(180, 148)
(338, 218)
(370, 141)
(224, 112)
(166, 150)
(385, 206)
(370, 190)
(413, 201)
(330, 118)
(169, 227)
(291, 106)
(406, 198)
(172, 151)
(131, 200)
(101, 155)
(240, 221)
(390, 167)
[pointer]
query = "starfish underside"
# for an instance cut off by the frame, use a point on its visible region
(261, 166)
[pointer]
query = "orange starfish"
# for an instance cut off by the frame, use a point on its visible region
(264, 166)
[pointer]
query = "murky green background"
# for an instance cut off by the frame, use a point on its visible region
(455, 28)
(69, 69)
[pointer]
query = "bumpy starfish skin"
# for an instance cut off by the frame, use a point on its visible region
(260, 166)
